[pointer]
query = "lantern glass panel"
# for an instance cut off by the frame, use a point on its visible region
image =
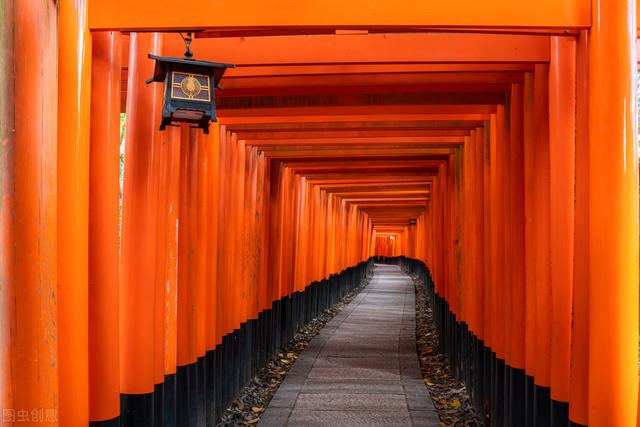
(190, 86)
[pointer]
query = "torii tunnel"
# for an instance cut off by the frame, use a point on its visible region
(488, 147)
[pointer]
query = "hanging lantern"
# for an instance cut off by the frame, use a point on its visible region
(189, 88)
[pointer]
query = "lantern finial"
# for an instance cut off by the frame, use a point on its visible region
(187, 42)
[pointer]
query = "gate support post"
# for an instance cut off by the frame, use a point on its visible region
(613, 215)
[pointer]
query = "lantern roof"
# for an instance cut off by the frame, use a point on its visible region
(204, 67)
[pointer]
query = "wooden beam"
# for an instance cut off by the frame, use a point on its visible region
(348, 69)
(393, 141)
(256, 14)
(371, 117)
(367, 49)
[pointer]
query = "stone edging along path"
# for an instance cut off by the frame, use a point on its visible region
(449, 395)
(247, 409)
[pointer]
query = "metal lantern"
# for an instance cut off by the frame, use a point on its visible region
(189, 95)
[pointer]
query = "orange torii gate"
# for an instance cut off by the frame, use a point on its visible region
(520, 118)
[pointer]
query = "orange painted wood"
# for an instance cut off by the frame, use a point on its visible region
(213, 194)
(613, 216)
(172, 233)
(185, 327)
(366, 69)
(201, 219)
(137, 259)
(541, 196)
(562, 107)
(358, 49)
(529, 224)
(314, 13)
(159, 303)
(7, 202)
(222, 311)
(467, 249)
(502, 227)
(495, 241)
(104, 223)
(487, 249)
(579, 369)
(74, 99)
(34, 280)
(478, 229)
(517, 330)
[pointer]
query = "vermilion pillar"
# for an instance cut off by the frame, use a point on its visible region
(211, 266)
(494, 241)
(202, 213)
(74, 97)
(486, 249)
(263, 202)
(529, 171)
(7, 182)
(34, 331)
(562, 107)
(188, 304)
(212, 235)
(478, 154)
(613, 215)
(138, 250)
(182, 332)
(200, 258)
(579, 375)
(516, 338)
(104, 219)
(162, 186)
(171, 271)
(541, 239)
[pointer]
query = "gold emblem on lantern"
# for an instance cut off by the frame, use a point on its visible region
(190, 86)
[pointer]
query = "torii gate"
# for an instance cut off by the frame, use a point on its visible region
(45, 235)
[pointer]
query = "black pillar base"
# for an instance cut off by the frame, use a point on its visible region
(542, 406)
(136, 410)
(158, 397)
(518, 397)
(169, 401)
(182, 393)
(559, 413)
(114, 422)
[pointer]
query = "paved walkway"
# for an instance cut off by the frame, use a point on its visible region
(362, 368)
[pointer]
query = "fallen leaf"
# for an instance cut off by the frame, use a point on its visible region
(257, 410)
(253, 421)
(456, 403)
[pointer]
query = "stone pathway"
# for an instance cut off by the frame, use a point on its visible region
(362, 368)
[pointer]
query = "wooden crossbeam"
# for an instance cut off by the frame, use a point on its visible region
(328, 14)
